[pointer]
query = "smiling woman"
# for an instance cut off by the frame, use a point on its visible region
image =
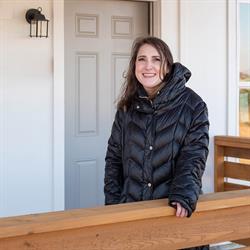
(159, 140)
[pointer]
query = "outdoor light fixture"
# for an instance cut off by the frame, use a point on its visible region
(39, 25)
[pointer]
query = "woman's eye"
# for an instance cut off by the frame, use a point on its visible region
(157, 59)
(140, 59)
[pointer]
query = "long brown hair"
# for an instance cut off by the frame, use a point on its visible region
(131, 84)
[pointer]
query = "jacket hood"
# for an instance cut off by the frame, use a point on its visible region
(175, 82)
(179, 71)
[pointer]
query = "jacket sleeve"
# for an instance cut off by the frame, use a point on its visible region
(113, 179)
(191, 161)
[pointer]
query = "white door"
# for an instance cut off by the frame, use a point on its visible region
(98, 39)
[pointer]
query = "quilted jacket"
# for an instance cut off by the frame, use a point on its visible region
(158, 149)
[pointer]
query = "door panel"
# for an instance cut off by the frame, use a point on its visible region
(98, 39)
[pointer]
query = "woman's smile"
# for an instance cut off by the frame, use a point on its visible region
(149, 75)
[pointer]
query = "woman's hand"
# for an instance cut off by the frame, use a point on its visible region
(180, 211)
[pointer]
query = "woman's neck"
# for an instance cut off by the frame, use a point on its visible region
(152, 92)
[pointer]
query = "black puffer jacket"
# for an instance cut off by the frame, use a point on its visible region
(158, 149)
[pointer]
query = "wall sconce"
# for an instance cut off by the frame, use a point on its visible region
(39, 25)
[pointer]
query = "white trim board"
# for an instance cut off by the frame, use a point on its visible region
(58, 106)
(232, 93)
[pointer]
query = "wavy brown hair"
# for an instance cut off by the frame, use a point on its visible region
(131, 84)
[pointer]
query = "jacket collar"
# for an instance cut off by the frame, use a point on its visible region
(174, 85)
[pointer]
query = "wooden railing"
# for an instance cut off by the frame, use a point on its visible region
(232, 160)
(144, 225)
(236, 168)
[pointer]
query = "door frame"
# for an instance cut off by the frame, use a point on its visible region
(58, 109)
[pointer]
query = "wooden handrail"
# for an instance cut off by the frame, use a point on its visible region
(78, 218)
(151, 224)
(235, 141)
(235, 147)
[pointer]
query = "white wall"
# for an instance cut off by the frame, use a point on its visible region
(197, 33)
(26, 118)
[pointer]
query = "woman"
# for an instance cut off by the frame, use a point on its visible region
(159, 141)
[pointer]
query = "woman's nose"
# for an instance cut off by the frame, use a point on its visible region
(148, 65)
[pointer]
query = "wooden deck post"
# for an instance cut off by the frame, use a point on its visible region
(219, 170)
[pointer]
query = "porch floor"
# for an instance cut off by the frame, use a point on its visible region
(225, 246)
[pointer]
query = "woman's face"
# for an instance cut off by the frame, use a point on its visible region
(148, 68)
